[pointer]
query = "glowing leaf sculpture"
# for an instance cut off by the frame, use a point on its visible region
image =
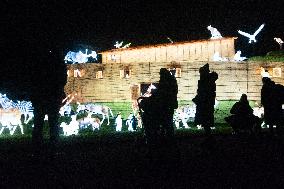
(251, 37)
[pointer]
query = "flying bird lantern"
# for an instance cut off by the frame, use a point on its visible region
(279, 41)
(251, 37)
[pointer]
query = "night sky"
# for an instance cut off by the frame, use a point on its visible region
(97, 24)
(102, 22)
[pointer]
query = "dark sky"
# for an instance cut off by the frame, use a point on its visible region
(99, 23)
(32, 26)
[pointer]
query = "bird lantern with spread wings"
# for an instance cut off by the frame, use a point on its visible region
(251, 37)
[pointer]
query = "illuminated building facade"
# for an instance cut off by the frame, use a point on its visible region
(124, 72)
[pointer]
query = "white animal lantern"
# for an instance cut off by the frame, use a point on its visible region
(215, 34)
(129, 122)
(93, 122)
(279, 41)
(218, 58)
(251, 37)
(79, 57)
(72, 128)
(119, 45)
(184, 114)
(118, 123)
(10, 119)
(102, 110)
(238, 57)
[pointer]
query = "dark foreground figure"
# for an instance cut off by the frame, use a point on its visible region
(205, 99)
(242, 118)
(47, 83)
(272, 98)
(158, 109)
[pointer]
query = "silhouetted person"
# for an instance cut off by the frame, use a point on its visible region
(49, 76)
(158, 109)
(243, 117)
(205, 99)
(272, 100)
(166, 96)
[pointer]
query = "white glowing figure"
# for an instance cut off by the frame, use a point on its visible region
(170, 40)
(103, 110)
(279, 41)
(11, 120)
(215, 34)
(5, 102)
(218, 58)
(237, 57)
(129, 122)
(118, 123)
(65, 110)
(251, 37)
(89, 121)
(118, 44)
(19, 107)
(77, 73)
(187, 113)
(79, 57)
(264, 73)
(126, 46)
(72, 128)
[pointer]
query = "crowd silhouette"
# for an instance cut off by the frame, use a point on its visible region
(158, 109)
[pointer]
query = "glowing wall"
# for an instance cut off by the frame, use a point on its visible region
(200, 50)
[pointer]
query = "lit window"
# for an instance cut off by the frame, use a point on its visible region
(99, 74)
(276, 72)
(77, 73)
(68, 73)
(125, 73)
(178, 72)
(112, 57)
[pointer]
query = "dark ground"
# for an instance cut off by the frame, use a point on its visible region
(225, 162)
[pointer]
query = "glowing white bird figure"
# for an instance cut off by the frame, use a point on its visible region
(279, 41)
(117, 44)
(251, 37)
(237, 57)
(215, 34)
(126, 46)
